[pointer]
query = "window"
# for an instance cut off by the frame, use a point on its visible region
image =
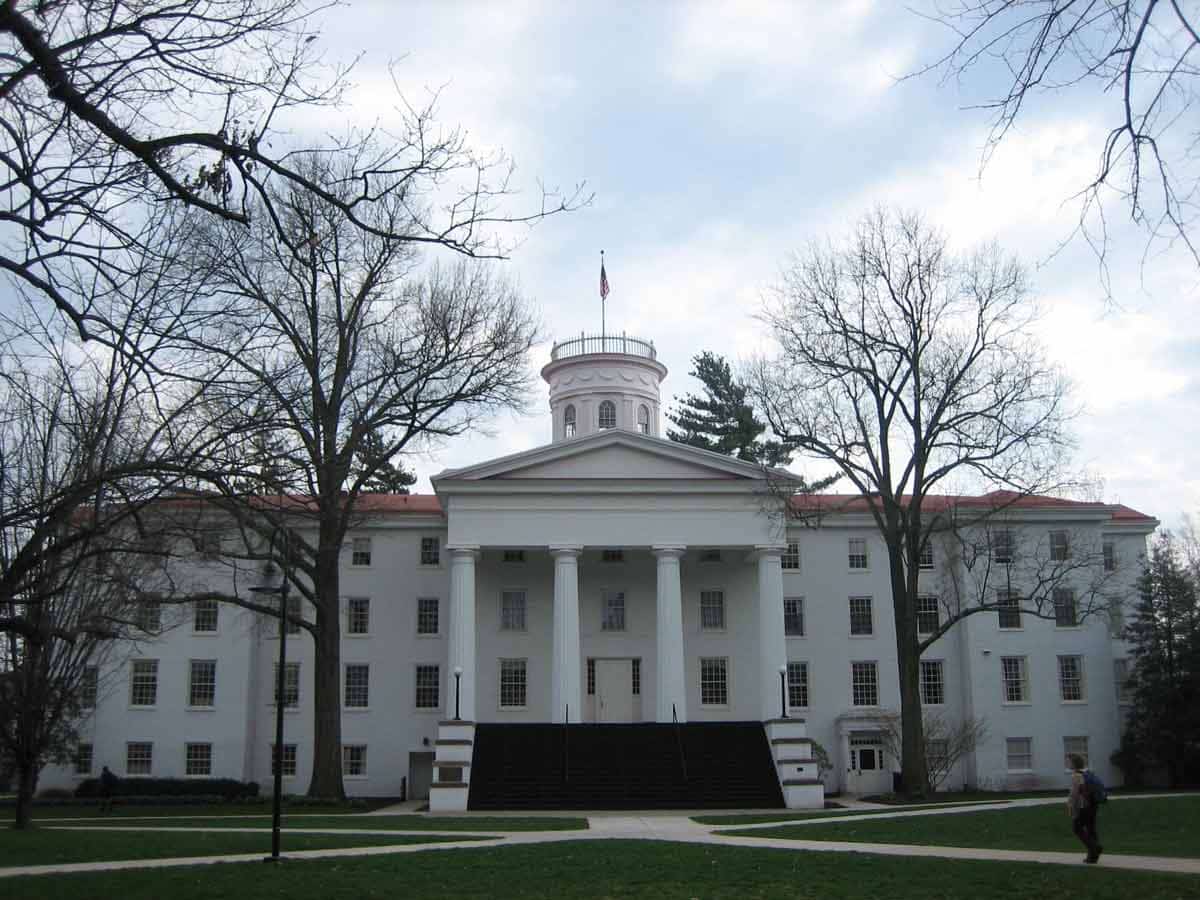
(1065, 612)
(860, 616)
(89, 687)
(431, 551)
(143, 685)
(608, 415)
(858, 553)
(357, 686)
(1002, 546)
(933, 682)
(714, 681)
(797, 685)
(1075, 746)
(202, 682)
(139, 757)
(289, 760)
(1070, 678)
(928, 620)
(204, 616)
(791, 556)
(793, 616)
(613, 615)
(429, 680)
(512, 684)
(84, 754)
(428, 611)
(514, 556)
(712, 610)
(864, 683)
(149, 616)
(291, 685)
(360, 553)
(512, 610)
(643, 422)
(1110, 557)
(1009, 603)
(208, 545)
(198, 759)
(1116, 617)
(354, 760)
(1121, 681)
(937, 755)
(294, 614)
(710, 555)
(1015, 675)
(612, 555)
(636, 671)
(1019, 753)
(925, 558)
(1060, 548)
(358, 615)
(591, 677)
(569, 421)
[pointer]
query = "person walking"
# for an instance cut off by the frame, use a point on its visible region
(108, 787)
(1082, 808)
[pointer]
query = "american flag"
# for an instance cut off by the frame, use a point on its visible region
(603, 282)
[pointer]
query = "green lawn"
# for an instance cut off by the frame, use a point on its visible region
(612, 869)
(84, 810)
(1161, 827)
(44, 846)
(401, 823)
(760, 818)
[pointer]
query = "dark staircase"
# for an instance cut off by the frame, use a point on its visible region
(697, 765)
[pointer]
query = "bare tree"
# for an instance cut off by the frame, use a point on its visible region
(947, 742)
(909, 369)
(111, 108)
(1143, 54)
(337, 354)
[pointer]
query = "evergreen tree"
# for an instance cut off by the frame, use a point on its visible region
(721, 420)
(1163, 728)
(379, 474)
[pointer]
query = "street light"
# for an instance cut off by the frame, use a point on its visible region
(280, 683)
(783, 692)
(457, 692)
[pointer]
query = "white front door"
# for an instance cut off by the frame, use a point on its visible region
(614, 690)
(868, 772)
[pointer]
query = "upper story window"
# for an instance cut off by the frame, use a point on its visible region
(360, 554)
(512, 610)
(858, 553)
(1060, 548)
(149, 616)
(358, 615)
(608, 415)
(643, 422)
(514, 556)
(89, 687)
(431, 551)
(1014, 673)
(791, 556)
(569, 421)
(1002, 546)
(793, 616)
(1008, 605)
(612, 555)
(712, 610)
(861, 622)
(205, 616)
(143, 683)
(1110, 557)
(1066, 612)
(427, 615)
(925, 560)
(614, 611)
(927, 614)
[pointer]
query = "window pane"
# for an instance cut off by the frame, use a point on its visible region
(1020, 754)
(864, 684)
(1002, 546)
(354, 759)
(1065, 614)
(202, 682)
(793, 616)
(608, 415)
(357, 686)
(797, 684)
(429, 681)
(358, 615)
(928, 614)
(89, 687)
(860, 616)
(613, 617)
(143, 687)
(361, 554)
(428, 610)
(291, 685)
(198, 759)
(1059, 546)
(933, 685)
(1009, 608)
(712, 610)
(714, 684)
(1070, 677)
(512, 683)
(926, 556)
(791, 556)
(431, 551)
(512, 611)
(858, 553)
(139, 758)
(84, 754)
(1012, 669)
(204, 615)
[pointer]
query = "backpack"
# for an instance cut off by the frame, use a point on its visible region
(1096, 792)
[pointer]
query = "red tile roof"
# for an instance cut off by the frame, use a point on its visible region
(994, 500)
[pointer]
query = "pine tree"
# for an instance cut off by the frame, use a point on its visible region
(382, 475)
(721, 420)
(1163, 728)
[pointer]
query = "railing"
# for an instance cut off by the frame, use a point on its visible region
(606, 343)
(679, 742)
(566, 744)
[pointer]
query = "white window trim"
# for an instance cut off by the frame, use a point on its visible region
(206, 634)
(1031, 768)
(724, 610)
(356, 709)
(500, 683)
(370, 550)
(921, 681)
(442, 689)
(866, 554)
(500, 629)
(808, 687)
(427, 635)
(1083, 692)
(728, 682)
(157, 685)
(365, 775)
(356, 635)
(191, 707)
(878, 691)
(803, 635)
(1026, 681)
(441, 563)
(211, 759)
(604, 591)
(850, 618)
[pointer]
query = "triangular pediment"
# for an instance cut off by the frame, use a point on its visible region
(613, 455)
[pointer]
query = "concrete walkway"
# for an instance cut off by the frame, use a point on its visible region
(653, 826)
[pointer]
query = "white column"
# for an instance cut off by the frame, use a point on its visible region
(772, 644)
(672, 679)
(462, 630)
(566, 694)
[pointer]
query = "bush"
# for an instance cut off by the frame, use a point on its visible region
(55, 794)
(222, 788)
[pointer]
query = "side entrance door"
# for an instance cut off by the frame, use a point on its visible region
(420, 775)
(868, 772)
(614, 690)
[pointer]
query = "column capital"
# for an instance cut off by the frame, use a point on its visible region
(768, 551)
(567, 551)
(668, 551)
(463, 551)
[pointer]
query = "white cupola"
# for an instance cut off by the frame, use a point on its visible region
(603, 381)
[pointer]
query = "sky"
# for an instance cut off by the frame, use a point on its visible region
(718, 138)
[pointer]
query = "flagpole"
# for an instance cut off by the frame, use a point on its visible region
(602, 304)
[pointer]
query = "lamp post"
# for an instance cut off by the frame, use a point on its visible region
(280, 687)
(457, 691)
(783, 692)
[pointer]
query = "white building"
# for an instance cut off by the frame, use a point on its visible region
(613, 576)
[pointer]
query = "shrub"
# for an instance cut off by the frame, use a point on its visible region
(222, 788)
(55, 794)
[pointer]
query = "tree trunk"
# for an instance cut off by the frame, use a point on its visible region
(26, 787)
(327, 678)
(908, 663)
